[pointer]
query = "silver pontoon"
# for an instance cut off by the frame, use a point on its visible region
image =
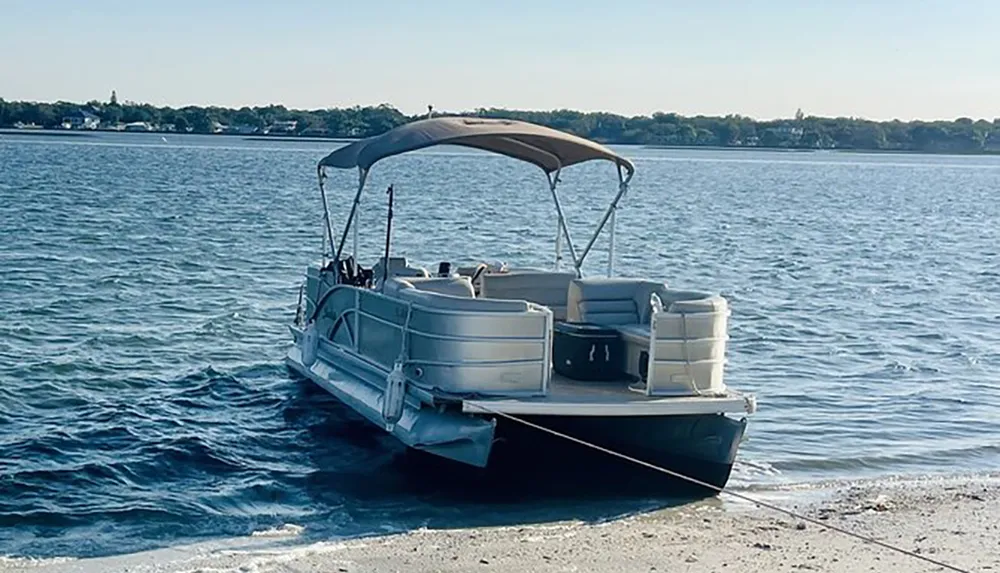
(436, 358)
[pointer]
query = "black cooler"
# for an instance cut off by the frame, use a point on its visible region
(585, 351)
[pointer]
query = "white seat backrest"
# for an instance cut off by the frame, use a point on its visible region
(546, 288)
(453, 294)
(611, 300)
(452, 286)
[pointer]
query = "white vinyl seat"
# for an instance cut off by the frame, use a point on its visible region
(611, 301)
(688, 354)
(448, 293)
(452, 286)
(546, 288)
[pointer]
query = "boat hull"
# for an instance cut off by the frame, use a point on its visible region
(700, 447)
(499, 451)
(526, 463)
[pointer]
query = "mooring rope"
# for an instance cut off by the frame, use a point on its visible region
(735, 494)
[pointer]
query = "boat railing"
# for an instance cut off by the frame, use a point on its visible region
(482, 352)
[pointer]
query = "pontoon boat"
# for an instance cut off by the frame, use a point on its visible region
(440, 358)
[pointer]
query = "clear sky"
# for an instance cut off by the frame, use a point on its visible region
(879, 59)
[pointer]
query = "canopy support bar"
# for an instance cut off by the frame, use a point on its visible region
(328, 229)
(558, 247)
(611, 244)
(362, 175)
(553, 178)
(625, 173)
(356, 226)
(553, 181)
(623, 181)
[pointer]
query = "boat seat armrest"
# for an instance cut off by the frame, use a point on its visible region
(694, 302)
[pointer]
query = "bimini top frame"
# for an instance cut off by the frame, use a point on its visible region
(547, 148)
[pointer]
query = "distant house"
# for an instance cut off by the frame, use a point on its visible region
(138, 126)
(282, 127)
(787, 131)
(81, 119)
(242, 129)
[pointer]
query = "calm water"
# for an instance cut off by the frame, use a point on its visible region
(145, 289)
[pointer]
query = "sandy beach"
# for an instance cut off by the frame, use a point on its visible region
(951, 520)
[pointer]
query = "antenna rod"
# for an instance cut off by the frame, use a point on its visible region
(388, 236)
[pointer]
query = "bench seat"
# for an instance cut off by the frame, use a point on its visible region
(688, 353)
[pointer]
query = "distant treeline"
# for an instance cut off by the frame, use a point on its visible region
(962, 135)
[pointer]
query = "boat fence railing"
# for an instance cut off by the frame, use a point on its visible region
(408, 330)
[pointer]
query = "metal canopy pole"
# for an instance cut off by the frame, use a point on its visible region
(623, 181)
(614, 218)
(357, 226)
(559, 222)
(328, 231)
(553, 181)
(363, 174)
(558, 246)
(611, 244)
(388, 239)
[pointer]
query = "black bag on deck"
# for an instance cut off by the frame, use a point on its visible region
(585, 351)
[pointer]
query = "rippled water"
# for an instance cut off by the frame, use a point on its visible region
(145, 289)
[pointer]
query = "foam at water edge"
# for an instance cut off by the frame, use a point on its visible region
(242, 561)
(286, 530)
(8, 562)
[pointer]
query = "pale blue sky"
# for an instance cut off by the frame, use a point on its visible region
(879, 59)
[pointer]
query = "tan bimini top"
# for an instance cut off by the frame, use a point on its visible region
(545, 147)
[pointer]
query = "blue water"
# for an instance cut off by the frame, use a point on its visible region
(146, 285)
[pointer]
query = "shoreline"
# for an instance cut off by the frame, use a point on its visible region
(325, 138)
(951, 519)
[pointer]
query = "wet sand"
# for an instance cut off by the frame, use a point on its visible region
(951, 520)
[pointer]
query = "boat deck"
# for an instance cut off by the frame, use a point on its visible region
(568, 397)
